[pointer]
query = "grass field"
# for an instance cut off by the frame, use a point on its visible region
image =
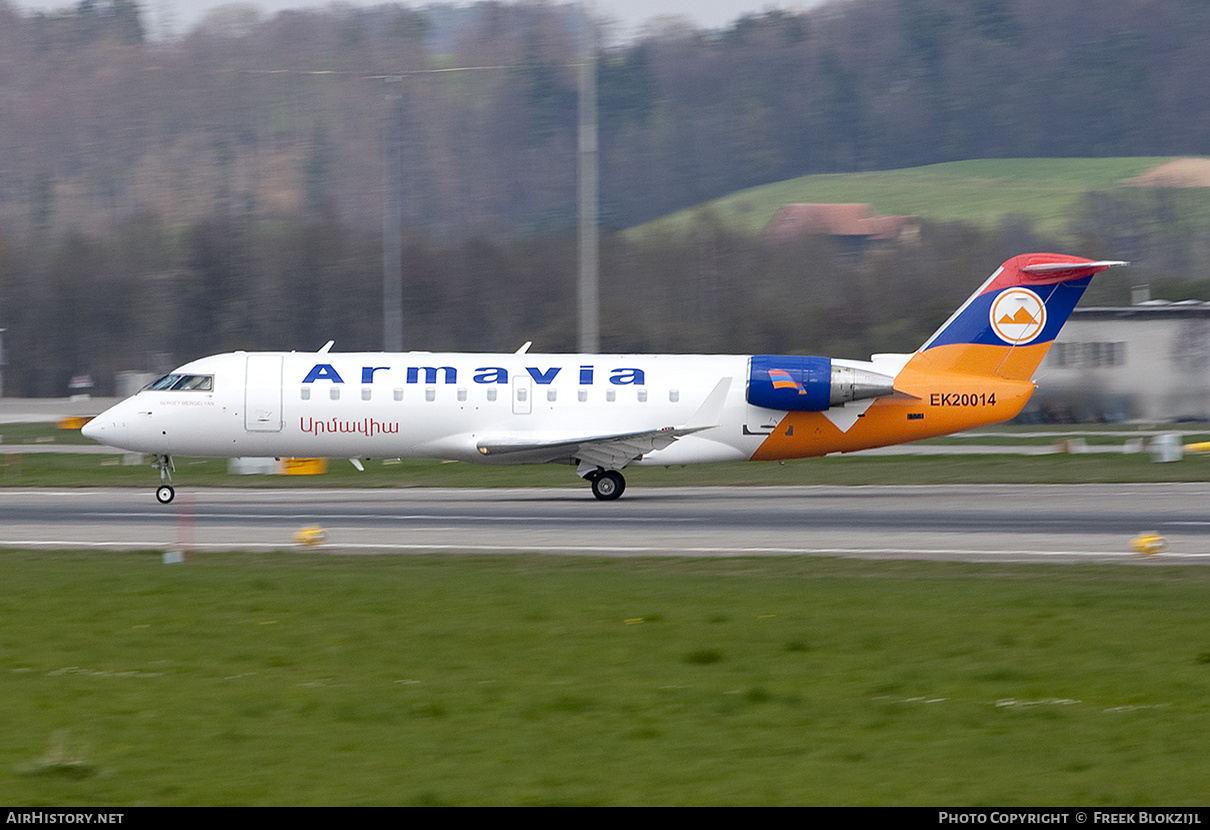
(54, 470)
(983, 192)
(314, 679)
(309, 678)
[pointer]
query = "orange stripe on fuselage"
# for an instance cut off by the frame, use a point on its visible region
(942, 403)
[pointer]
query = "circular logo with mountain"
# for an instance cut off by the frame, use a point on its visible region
(1018, 316)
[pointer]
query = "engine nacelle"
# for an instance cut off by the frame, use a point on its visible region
(810, 384)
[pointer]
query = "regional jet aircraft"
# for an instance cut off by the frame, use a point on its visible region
(602, 413)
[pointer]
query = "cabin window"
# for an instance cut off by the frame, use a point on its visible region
(642, 396)
(334, 394)
(430, 393)
(551, 395)
(305, 394)
(582, 395)
(522, 393)
(674, 395)
(366, 392)
(611, 395)
(183, 383)
(491, 394)
(462, 394)
(398, 393)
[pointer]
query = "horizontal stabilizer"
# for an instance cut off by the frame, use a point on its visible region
(1069, 270)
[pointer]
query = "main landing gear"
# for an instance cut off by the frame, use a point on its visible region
(164, 493)
(607, 485)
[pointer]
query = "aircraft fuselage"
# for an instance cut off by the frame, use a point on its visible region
(446, 406)
(602, 413)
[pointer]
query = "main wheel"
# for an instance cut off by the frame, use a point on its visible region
(608, 485)
(165, 494)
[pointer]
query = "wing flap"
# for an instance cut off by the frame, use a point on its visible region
(611, 452)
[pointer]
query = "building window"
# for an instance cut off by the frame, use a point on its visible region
(1087, 355)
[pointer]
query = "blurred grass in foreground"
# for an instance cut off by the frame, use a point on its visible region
(301, 678)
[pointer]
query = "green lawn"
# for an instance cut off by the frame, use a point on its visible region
(983, 192)
(309, 678)
(302, 678)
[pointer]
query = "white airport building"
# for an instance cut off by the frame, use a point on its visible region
(1148, 362)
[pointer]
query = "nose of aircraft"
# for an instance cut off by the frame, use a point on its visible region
(127, 425)
(93, 429)
(108, 426)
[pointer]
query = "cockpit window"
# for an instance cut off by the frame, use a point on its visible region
(179, 383)
(202, 383)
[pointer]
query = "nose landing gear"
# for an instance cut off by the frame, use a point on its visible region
(164, 493)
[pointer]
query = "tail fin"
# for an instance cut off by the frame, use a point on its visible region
(1007, 326)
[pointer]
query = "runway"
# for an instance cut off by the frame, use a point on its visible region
(1005, 523)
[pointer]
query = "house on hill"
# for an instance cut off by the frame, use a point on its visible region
(854, 225)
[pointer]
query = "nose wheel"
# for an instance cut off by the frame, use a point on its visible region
(164, 493)
(608, 485)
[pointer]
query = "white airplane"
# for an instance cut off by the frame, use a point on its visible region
(602, 413)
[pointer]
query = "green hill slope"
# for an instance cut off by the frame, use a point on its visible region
(984, 191)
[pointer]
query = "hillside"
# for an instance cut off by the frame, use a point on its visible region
(295, 115)
(1048, 192)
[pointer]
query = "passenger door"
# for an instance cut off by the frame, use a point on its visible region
(262, 393)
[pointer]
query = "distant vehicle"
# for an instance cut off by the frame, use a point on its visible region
(602, 413)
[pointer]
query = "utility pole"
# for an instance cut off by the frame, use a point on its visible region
(392, 220)
(589, 233)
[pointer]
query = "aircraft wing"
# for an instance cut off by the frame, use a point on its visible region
(613, 452)
(608, 451)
